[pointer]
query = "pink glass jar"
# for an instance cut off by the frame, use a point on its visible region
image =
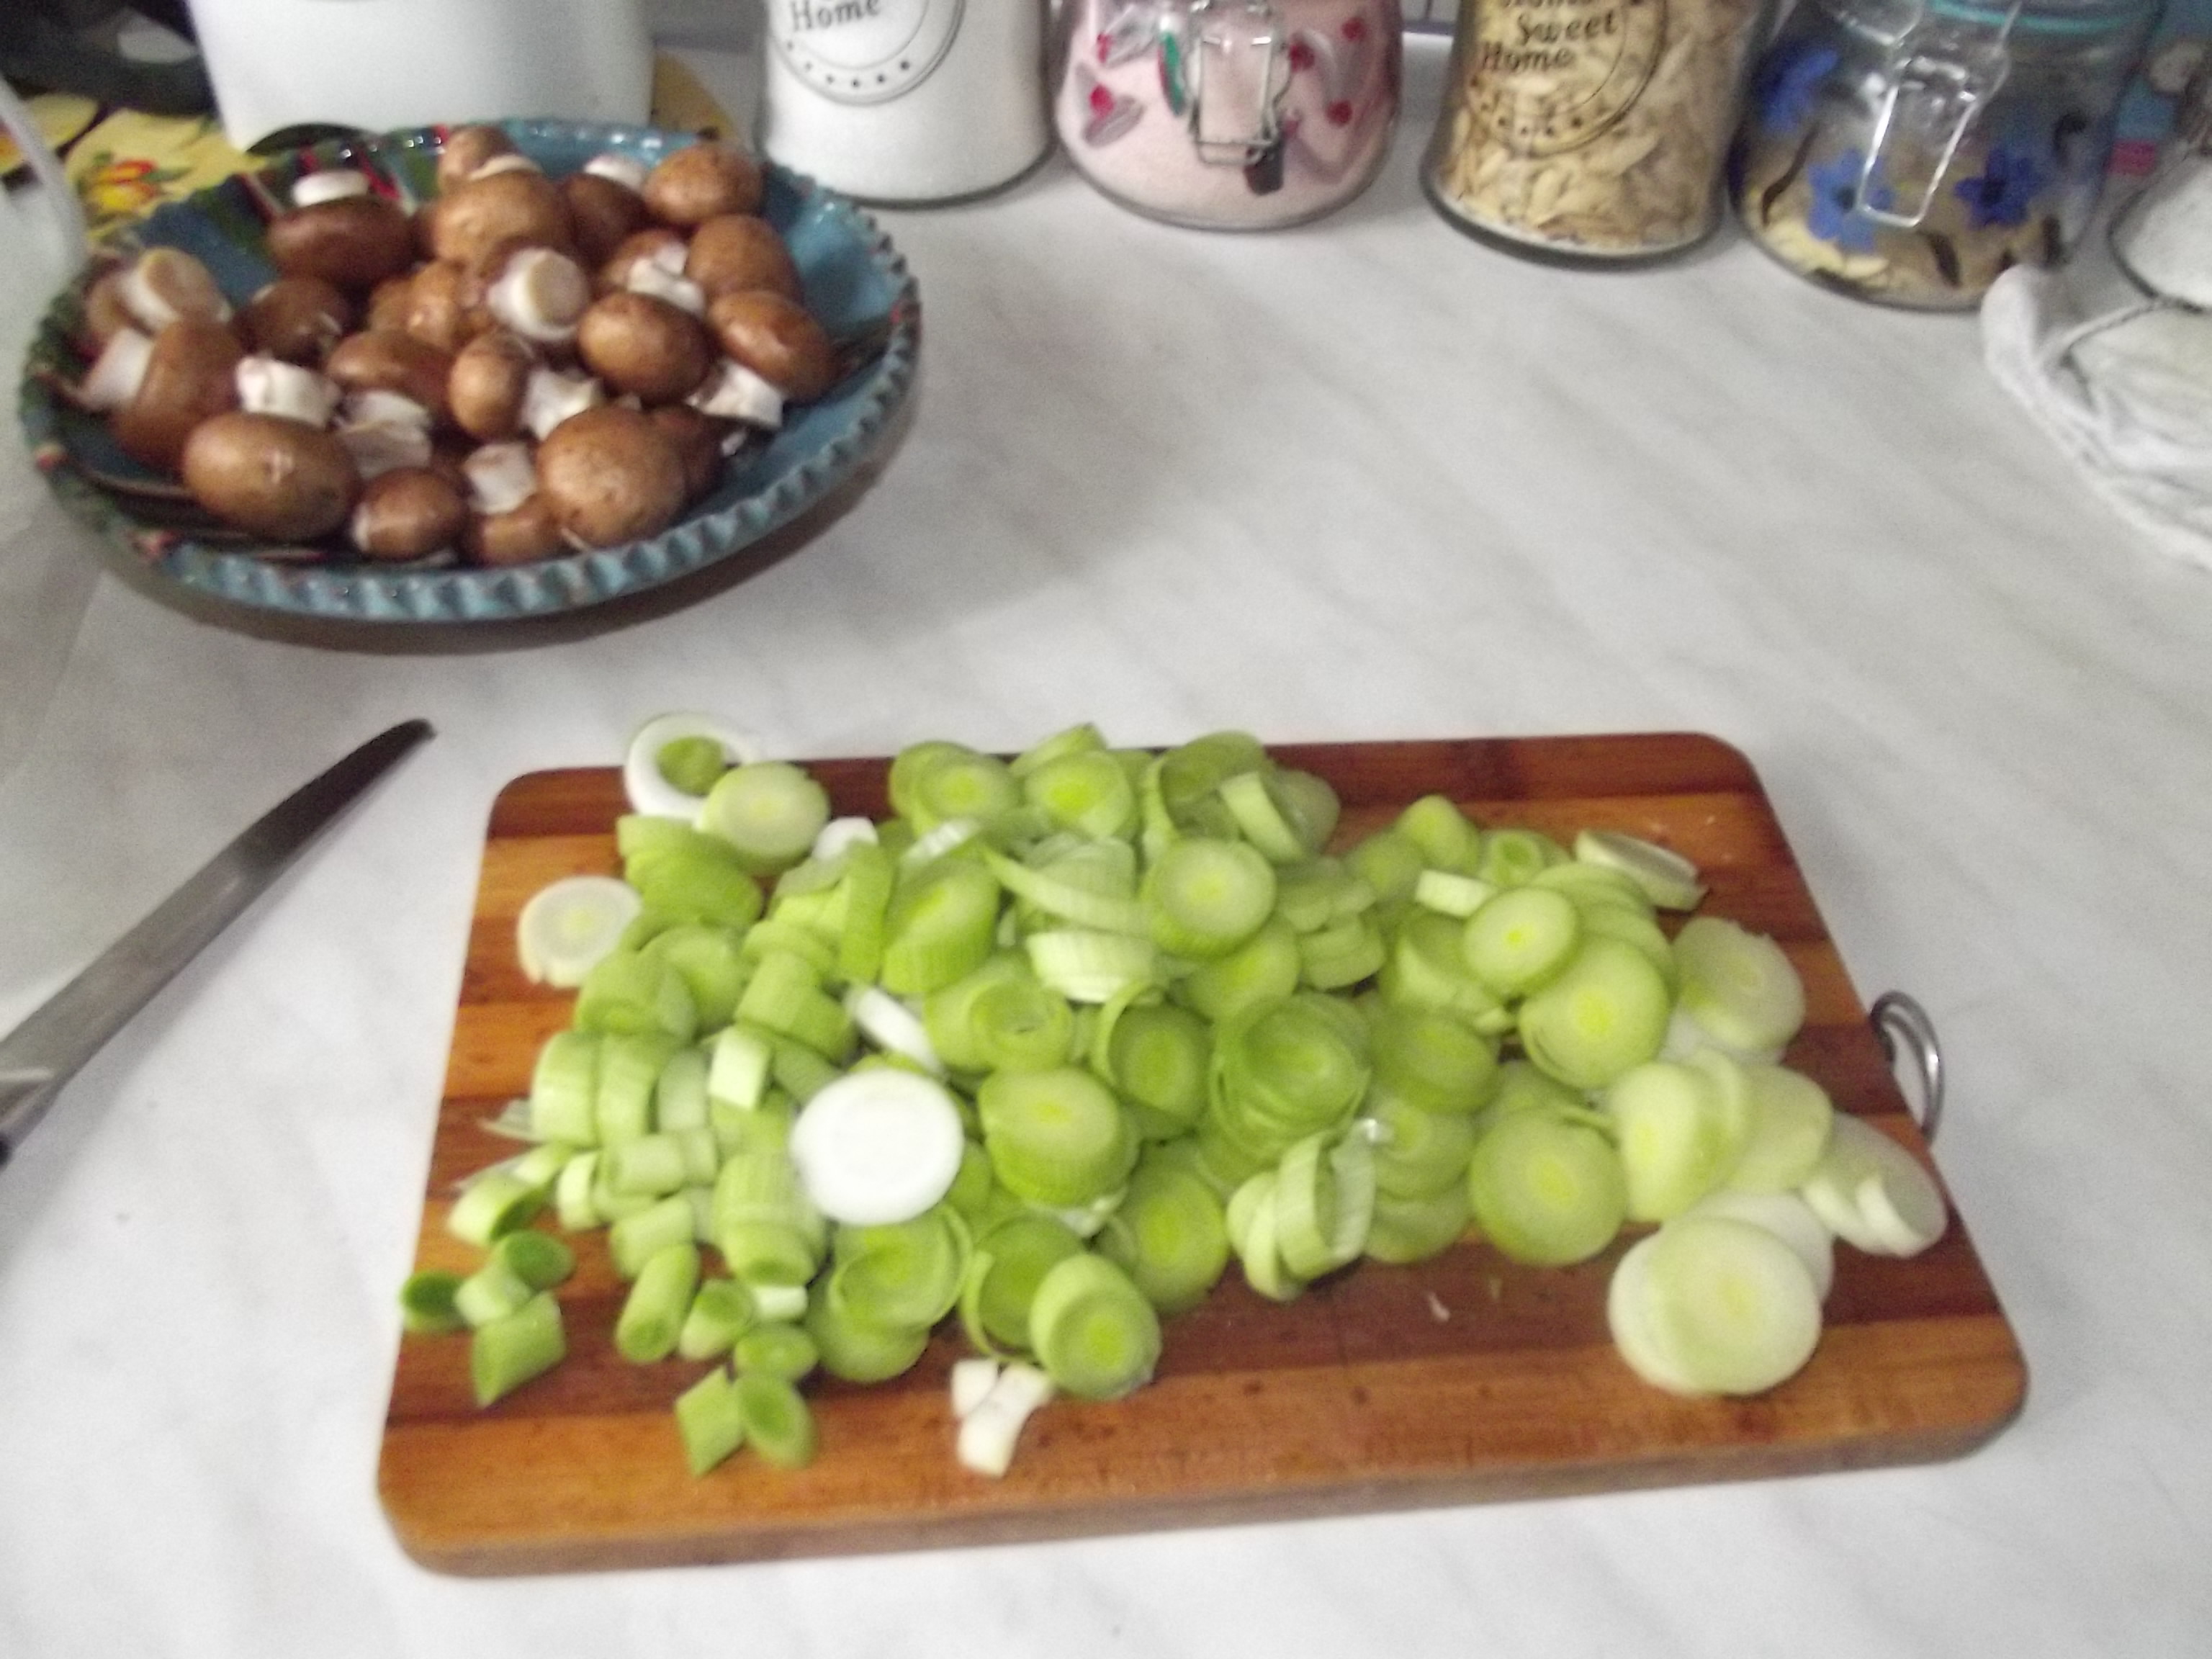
(1227, 115)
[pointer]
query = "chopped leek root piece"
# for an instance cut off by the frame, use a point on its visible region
(568, 925)
(507, 1353)
(990, 1431)
(971, 1383)
(710, 1419)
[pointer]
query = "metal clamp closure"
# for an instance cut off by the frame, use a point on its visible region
(1941, 75)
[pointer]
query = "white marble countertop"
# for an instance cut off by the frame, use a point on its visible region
(1363, 480)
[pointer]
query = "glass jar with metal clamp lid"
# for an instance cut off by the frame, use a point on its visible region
(1227, 115)
(2162, 238)
(1910, 151)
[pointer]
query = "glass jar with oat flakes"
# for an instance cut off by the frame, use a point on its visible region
(1591, 131)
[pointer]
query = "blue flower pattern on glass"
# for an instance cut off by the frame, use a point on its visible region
(2003, 190)
(1789, 86)
(1833, 215)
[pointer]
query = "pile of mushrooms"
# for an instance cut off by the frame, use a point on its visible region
(522, 366)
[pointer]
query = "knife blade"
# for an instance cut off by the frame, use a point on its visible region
(43, 1053)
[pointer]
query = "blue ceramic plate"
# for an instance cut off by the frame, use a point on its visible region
(856, 285)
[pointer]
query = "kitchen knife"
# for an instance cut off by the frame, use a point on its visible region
(42, 1054)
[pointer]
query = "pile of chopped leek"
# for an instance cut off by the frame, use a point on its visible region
(1045, 1050)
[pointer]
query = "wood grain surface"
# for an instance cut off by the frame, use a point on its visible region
(1462, 1379)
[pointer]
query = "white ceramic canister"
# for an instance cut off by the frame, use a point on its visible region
(906, 100)
(1228, 114)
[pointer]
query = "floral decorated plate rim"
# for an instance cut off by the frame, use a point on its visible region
(855, 280)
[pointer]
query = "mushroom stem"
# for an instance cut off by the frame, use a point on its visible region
(502, 476)
(511, 163)
(379, 446)
(734, 393)
(268, 386)
(540, 295)
(165, 284)
(552, 397)
(329, 186)
(379, 408)
(624, 170)
(117, 373)
(649, 277)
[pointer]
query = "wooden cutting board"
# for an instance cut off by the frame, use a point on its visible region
(1463, 1379)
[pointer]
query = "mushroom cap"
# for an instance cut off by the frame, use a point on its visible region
(735, 251)
(610, 476)
(387, 303)
(465, 149)
(698, 443)
(694, 183)
(356, 241)
(485, 389)
(269, 476)
(529, 533)
(777, 339)
(603, 213)
(298, 319)
(480, 214)
(190, 376)
(440, 306)
(385, 360)
(409, 512)
(164, 283)
(644, 346)
(105, 313)
(655, 243)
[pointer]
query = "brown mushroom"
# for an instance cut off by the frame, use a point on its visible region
(440, 309)
(387, 304)
(383, 360)
(602, 212)
(698, 444)
(610, 476)
(164, 283)
(189, 377)
(775, 338)
(537, 292)
(465, 149)
(105, 313)
(656, 245)
(298, 319)
(500, 207)
(485, 390)
(528, 533)
(736, 251)
(409, 514)
(269, 476)
(645, 346)
(355, 241)
(696, 183)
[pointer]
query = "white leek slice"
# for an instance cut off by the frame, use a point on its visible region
(1628, 1316)
(1790, 1218)
(567, 928)
(892, 1026)
(1732, 1307)
(1666, 878)
(878, 1147)
(839, 835)
(989, 1433)
(1874, 1193)
(650, 792)
(972, 1381)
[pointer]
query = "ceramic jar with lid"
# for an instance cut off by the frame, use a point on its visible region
(906, 101)
(1591, 132)
(1227, 115)
(1910, 151)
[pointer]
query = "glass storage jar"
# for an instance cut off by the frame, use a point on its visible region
(1227, 115)
(1591, 132)
(1909, 151)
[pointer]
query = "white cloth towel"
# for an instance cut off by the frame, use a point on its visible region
(2128, 395)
